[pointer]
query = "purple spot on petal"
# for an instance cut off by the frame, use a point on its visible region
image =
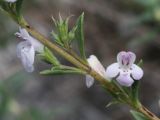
(126, 58)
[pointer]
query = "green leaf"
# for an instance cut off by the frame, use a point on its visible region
(60, 70)
(57, 39)
(135, 88)
(140, 63)
(79, 35)
(138, 115)
(49, 57)
(113, 102)
(71, 34)
(62, 35)
(135, 92)
(19, 6)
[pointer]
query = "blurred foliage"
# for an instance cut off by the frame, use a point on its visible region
(150, 17)
(9, 106)
(6, 32)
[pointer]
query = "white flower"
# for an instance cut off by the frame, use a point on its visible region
(27, 48)
(125, 71)
(26, 52)
(11, 1)
(24, 35)
(95, 65)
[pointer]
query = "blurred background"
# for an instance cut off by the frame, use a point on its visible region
(110, 26)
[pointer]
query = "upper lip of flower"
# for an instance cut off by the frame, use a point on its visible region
(126, 59)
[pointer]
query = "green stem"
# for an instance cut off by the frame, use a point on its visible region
(71, 52)
(146, 112)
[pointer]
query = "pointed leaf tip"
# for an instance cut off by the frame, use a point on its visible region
(79, 35)
(140, 63)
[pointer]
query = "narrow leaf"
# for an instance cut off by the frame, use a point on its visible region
(19, 6)
(79, 35)
(138, 115)
(113, 102)
(135, 87)
(59, 72)
(49, 56)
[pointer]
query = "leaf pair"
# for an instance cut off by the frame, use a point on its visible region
(64, 37)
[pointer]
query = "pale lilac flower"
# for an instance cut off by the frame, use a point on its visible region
(11, 1)
(125, 71)
(24, 35)
(95, 65)
(27, 48)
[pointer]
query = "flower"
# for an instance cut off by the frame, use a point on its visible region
(95, 65)
(11, 1)
(125, 71)
(26, 49)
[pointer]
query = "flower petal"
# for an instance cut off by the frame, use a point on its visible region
(23, 34)
(126, 59)
(112, 70)
(36, 44)
(120, 57)
(89, 81)
(96, 65)
(125, 79)
(132, 57)
(137, 72)
(26, 52)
